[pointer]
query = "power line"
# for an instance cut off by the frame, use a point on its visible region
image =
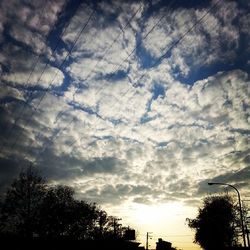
(57, 133)
(61, 113)
(137, 45)
(63, 62)
(28, 79)
(103, 56)
(174, 44)
(39, 78)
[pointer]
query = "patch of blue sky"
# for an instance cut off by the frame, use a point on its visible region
(61, 24)
(158, 91)
(145, 59)
(85, 109)
(32, 89)
(145, 118)
(115, 121)
(59, 90)
(114, 76)
(162, 144)
(8, 99)
(200, 72)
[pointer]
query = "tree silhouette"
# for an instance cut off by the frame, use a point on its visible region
(214, 224)
(32, 208)
(20, 208)
(63, 216)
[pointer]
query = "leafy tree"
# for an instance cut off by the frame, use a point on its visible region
(102, 228)
(20, 208)
(62, 215)
(215, 222)
(31, 208)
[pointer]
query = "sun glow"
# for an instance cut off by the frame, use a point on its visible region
(154, 214)
(162, 220)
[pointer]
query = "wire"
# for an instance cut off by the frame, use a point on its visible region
(102, 57)
(66, 57)
(137, 45)
(30, 74)
(32, 71)
(174, 44)
(111, 75)
(61, 113)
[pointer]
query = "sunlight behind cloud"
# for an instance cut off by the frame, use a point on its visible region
(162, 220)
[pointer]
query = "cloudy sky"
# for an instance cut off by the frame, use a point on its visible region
(136, 104)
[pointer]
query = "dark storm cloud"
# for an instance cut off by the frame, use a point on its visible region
(119, 193)
(69, 167)
(240, 178)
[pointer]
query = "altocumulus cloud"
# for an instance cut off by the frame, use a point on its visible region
(92, 95)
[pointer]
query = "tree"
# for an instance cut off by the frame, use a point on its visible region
(20, 208)
(63, 216)
(215, 222)
(32, 208)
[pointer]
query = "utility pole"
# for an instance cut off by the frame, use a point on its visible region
(247, 234)
(246, 217)
(147, 238)
(240, 208)
(115, 224)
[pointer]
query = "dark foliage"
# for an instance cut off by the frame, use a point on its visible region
(21, 206)
(215, 222)
(32, 209)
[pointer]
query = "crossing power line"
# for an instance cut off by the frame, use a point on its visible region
(29, 97)
(113, 42)
(61, 65)
(117, 67)
(65, 59)
(167, 51)
(103, 56)
(134, 85)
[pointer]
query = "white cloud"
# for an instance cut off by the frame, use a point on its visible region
(7, 92)
(29, 38)
(203, 45)
(51, 78)
(155, 143)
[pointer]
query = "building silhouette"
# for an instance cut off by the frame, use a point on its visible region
(163, 245)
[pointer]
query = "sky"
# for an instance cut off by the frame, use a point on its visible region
(135, 104)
